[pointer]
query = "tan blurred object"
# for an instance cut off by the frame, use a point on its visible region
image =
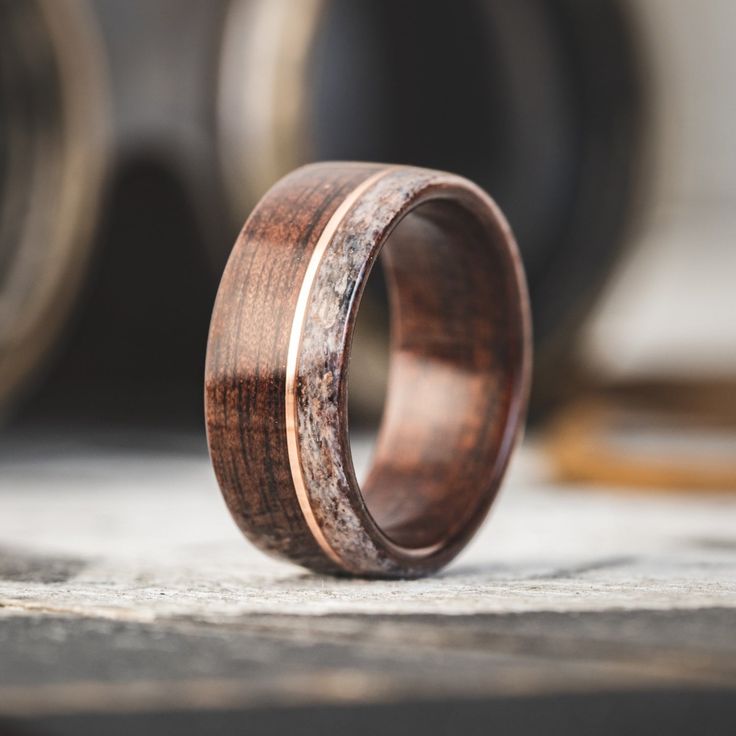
(53, 116)
(263, 93)
(661, 349)
(669, 310)
(665, 435)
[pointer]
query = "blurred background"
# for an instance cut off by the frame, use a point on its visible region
(137, 135)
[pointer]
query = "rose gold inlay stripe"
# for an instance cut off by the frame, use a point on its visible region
(292, 361)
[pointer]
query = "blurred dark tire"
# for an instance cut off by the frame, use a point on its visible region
(53, 128)
(542, 102)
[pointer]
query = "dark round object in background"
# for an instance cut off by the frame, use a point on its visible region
(540, 101)
(53, 126)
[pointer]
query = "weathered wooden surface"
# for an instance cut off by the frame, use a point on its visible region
(125, 588)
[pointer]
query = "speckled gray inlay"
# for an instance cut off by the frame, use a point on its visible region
(335, 500)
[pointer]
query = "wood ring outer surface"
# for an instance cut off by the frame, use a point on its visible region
(277, 367)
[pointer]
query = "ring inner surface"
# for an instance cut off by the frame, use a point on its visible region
(453, 355)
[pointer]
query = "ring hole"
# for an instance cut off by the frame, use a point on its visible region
(455, 357)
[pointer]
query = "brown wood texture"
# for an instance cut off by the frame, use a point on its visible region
(278, 361)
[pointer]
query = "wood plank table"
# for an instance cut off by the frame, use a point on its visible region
(129, 602)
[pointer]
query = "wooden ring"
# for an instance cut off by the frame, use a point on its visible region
(278, 354)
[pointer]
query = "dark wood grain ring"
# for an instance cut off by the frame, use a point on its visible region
(278, 354)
